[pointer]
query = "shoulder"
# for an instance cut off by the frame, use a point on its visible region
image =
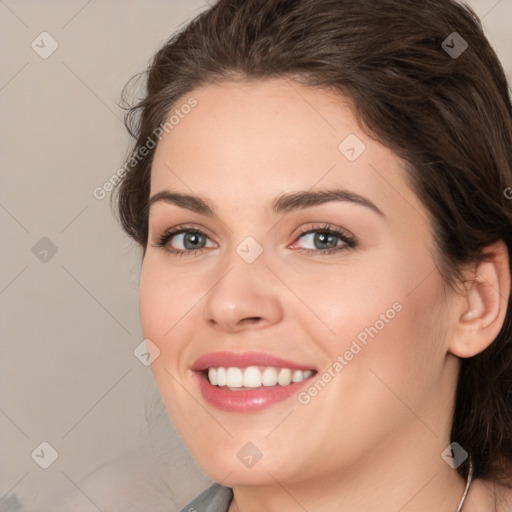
(214, 499)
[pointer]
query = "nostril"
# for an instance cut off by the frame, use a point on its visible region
(251, 319)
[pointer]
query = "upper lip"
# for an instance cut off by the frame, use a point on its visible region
(242, 360)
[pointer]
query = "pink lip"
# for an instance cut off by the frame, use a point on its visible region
(250, 400)
(225, 359)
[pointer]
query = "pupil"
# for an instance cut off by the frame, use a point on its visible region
(323, 238)
(190, 237)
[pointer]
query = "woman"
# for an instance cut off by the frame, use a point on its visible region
(322, 193)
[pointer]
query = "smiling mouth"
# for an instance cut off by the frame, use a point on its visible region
(254, 377)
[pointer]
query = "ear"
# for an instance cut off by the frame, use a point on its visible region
(483, 305)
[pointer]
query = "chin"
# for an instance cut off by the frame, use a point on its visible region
(229, 476)
(247, 466)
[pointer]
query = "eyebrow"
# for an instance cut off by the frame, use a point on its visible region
(281, 204)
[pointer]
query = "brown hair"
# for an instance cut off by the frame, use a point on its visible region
(447, 115)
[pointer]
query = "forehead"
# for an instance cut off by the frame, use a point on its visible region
(248, 141)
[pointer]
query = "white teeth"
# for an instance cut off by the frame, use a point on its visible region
(269, 377)
(212, 376)
(252, 377)
(234, 377)
(297, 376)
(255, 377)
(285, 377)
(221, 376)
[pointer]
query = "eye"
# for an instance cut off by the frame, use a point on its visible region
(325, 239)
(189, 240)
(183, 240)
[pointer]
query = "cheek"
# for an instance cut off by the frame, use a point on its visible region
(166, 302)
(389, 318)
(165, 298)
(403, 333)
(383, 362)
(364, 300)
(153, 295)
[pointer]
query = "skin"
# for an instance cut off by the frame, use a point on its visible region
(373, 437)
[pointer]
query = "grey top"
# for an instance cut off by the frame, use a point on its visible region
(215, 499)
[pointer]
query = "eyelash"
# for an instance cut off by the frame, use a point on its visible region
(349, 241)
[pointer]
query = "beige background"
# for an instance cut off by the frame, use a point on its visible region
(69, 324)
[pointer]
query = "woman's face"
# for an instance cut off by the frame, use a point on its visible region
(276, 274)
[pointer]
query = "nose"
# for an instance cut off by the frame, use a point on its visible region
(244, 298)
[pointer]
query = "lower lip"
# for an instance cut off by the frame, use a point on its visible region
(249, 400)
